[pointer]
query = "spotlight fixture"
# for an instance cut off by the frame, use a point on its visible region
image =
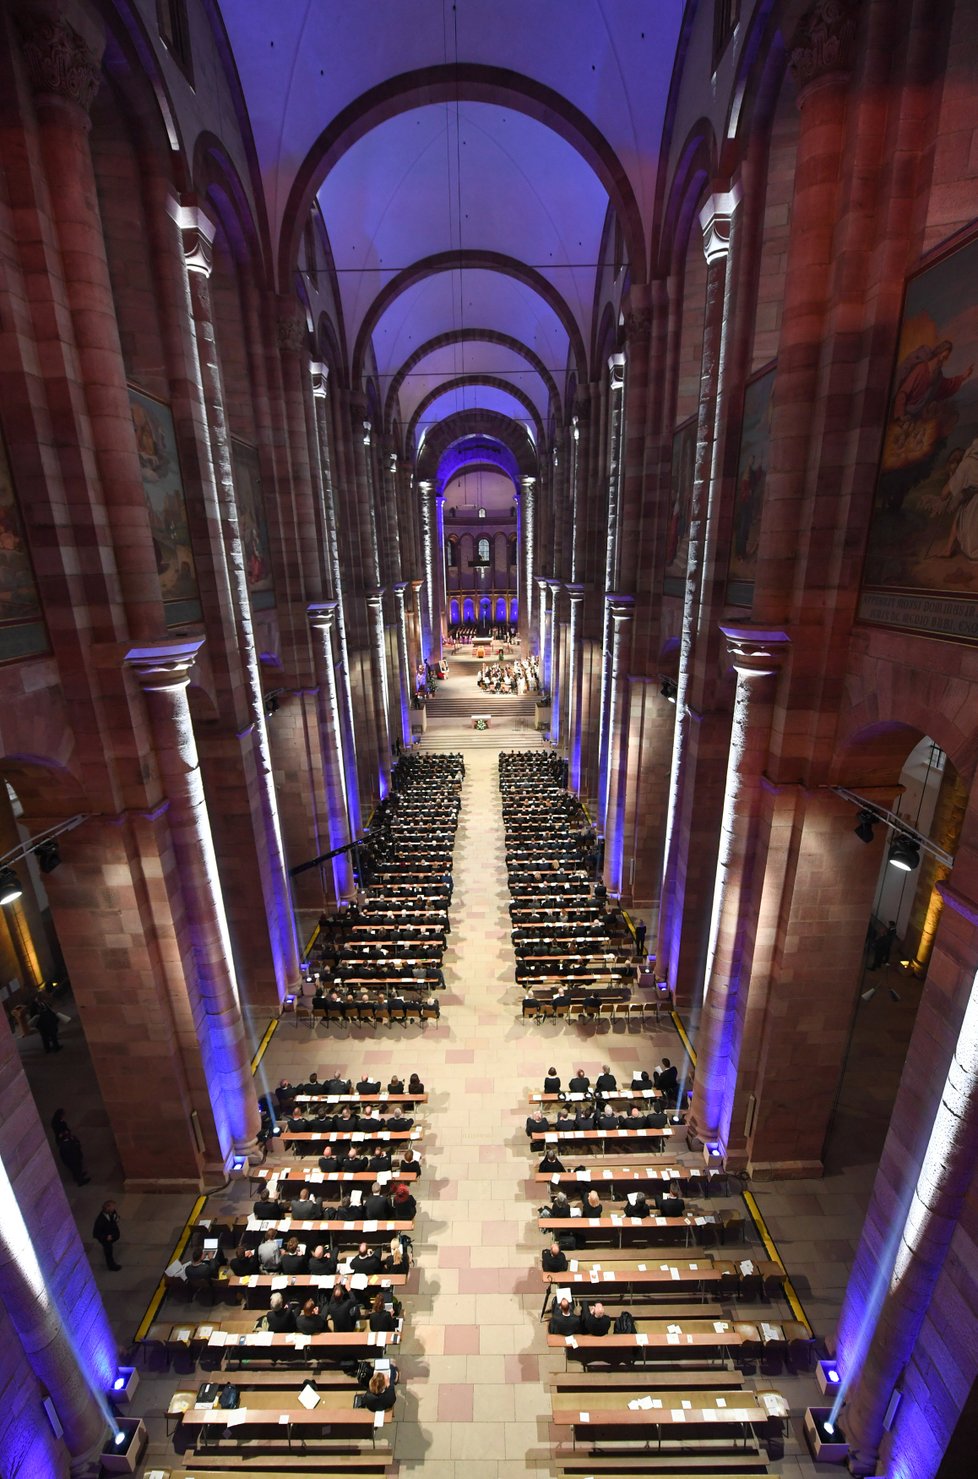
(904, 853)
(864, 825)
(668, 690)
(10, 888)
(271, 706)
(895, 995)
(869, 993)
(48, 856)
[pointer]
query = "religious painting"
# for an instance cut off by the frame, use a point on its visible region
(252, 524)
(681, 498)
(22, 630)
(755, 437)
(921, 566)
(156, 444)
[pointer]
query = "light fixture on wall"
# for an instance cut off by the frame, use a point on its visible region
(10, 889)
(669, 690)
(48, 856)
(865, 822)
(904, 853)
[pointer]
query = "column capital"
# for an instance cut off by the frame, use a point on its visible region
(756, 651)
(716, 219)
(425, 486)
(616, 370)
(619, 603)
(197, 232)
(555, 585)
(375, 597)
(60, 63)
(528, 484)
(824, 46)
(319, 375)
(416, 585)
(575, 590)
(164, 664)
(322, 613)
(542, 582)
(290, 325)
(399, 587)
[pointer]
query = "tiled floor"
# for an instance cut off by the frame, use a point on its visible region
(474, 1358)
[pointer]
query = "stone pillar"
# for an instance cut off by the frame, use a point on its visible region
(197, 233)
(46, 1285)
(715, 222)
(65, 74)
(554, 673)
(757, 657)
(320, 381)
(428, 609)
(527, 536)
(442, 572)
(575, 594)
(404, 662)
(543, 646)
(163, 673)
(322, 618)
(620, 612)
(616, 428)
(875, 1344)
(378, 653)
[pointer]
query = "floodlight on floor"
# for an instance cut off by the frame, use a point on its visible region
(904, 853)
(864, 826)
(10, 888)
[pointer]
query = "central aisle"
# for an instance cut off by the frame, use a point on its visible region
(483, 1402)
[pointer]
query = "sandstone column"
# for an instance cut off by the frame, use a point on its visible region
(429, 607)
(616, 432)
(620, 611)
(163, 673)
(527, 537)
(575, 594)
(403, 663)
(554, 673)
(322, 619)
(757, 656)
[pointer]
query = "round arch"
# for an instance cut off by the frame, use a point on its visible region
(461, 382)
(465, 424)
(216, 180)
(454, 261)
(461, 82)
(461, 336)
(695, 168)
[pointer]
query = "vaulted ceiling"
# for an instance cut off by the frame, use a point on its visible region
(466, 158)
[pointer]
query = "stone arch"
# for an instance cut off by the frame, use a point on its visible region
(469, 82)
(890, 707)
(761, 66)
(471, 258)
(130, 62)
(695, 168)
(514, 437)
(460, 336)
(460, 382)
(217, 181)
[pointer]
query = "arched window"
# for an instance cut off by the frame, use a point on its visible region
(452, 553)
(513, 550)
(482, 513)
(484, 549)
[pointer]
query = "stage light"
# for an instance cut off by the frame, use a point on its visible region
(833, 1376)
(904, 853)
(868, 994)
(864, 826)
(668, 690)
(10, 888)
(119, 1438)
(118, 1384)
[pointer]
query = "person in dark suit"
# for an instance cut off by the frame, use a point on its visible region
(636, 1205)
(343, 1310)
(330, 1162)
(606, 1082)
(585, 1118)
(550, 1163)
(563, 1321)
(672, 1204)
(399, 1122)
(667, 1080)
(580, 1083)
(266, 1210)
(305, 1209)
(366, 1260)
(381, 1393)
(379, 1162)
(294, 1259)
(554, 1259)
(606, 1119)
(537, 1124)
(199, 1271)
(594, 1320)
(368, 1086)
(321, 1260)
(310, 1321)
(106, 1232)
(280, 1319)
(593, 1206)
(381, 1316)
(551, 1084)
(404, 1206)
(376, 1207)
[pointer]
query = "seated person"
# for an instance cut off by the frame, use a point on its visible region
(376, 1207)
(632, 1119)
(580, 1083)
(346, 1212)
(666, 1079)
(330, 1162)
(550, 1163)
(636, 1205)
(309, 1321)
(592, 1204)
(265, 1209)
(396, 1259)
(368, 1085)
(594, 1321)
(322, 1260)
(366, 1260)
(380, 1393)
(305, 1209)
(379, 1162)
(337, 1085)
(355, 1161)
(399, 1123)
(294, 1259)
(415, 1086)
(560, 1206)
(656, 1119)
(606, 1119)
(551, 1084)
(269, 1254)
(396, 1085)
(404, 1206)
(606, 1082)
(585, 1118)
(537, 1124)
(244, 1261)
(199, 1270)
(554, 1259)
(382, 1316)
(672, 1204)
(563, 1321)
(280, 1319)
(343, 1309)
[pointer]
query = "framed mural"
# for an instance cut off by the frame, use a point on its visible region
(755, 437)
(22, 629)
(252, 524)
(677, 534)
(921, 567)
(152, 423)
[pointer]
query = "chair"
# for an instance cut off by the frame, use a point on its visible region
(732, 1226)
(181, 1357)
(153, 1355)
(303, 1013)
(751, 1288)
(531, 1011)
(636, 1012)
(383, 1014)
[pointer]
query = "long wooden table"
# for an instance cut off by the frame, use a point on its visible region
(621, 1224)
(309, 1229)
(650, 1276)
(707, 1412)
(658, 1339)
(262, 1286)
(599, 1138)
(353, 1137)
(262, 1408)
(589, 1095)
(354, 1099)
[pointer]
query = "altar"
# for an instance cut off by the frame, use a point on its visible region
(481, 721)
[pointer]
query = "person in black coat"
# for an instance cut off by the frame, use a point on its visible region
(294, 1260)
(551, 1084)
(376, 1207)
(322, 1261)
(554, 1259)
(381, 1316)
(106, 1232)
(404, 1205)
(366, 1260)
(595, 1321)
(280, 1319)
(310, 1321)
(580, 1083)
(266, 1210)
(343, 1309)
(381, 1393)
(667, 1080)
(563, 1321)
(606, 1081)
(551, 1162)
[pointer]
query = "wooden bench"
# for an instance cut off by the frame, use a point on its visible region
(352, 1137)
(691, 1414)
(640, 1381)
(308, 1230)
(264, 1408)
(355, 1463)
(613, 1140)
(671, 1466)
(633, 1096)
(639, 1279)
(354, 1099)
(261, 1286)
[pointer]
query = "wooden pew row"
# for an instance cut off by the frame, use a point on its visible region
(380, 1100)
(629, 1095)
(690, 1415)
(643, 1230)
(278, 1414)
(308, 1230)
(400, 1138)
(257, 1289)
(596, 1142)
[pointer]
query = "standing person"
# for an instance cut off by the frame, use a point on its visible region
(47, 1023)
(70, 1151)
(883, 946)
(106, 1232)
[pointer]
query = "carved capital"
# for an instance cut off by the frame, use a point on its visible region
(319, 374)
(616, 371)
(825, 42)
(60, 63)
(321, 615)
(164, 664)
(716, 222)
(756, 651)
(291, 329)
(197, 232)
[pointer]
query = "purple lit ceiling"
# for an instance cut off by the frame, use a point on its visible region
(528, 113)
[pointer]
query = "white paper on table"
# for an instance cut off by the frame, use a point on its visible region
(182, 1334)
(358, 1281)
(356, 1136)
(659, 1221)
(610, 1276)
(721, 1401)
(370, 1226)
(582, 1175)
(616, 1221)
(573, 1265)
(720, 1326)
(309, 1397)
(584, 1417)
(770, 1332)
(642, 1268)
(656, 1401)
(283, 1419)
(674, 1330)
(663, 1268)
(595, 1275)
(746, 1266)
(383, 1177)
(218, 1337)
(674, 1273)
(645, 1403)
(379, 1419)
(576, 1212)
(301, 1341)
(257, 1337)
(280, 1281)
(694, 1265)
(175, 1269)
(555, 1179)
(672, 1340)
(677, 1414)
(687, 1406)
(383, 1135)
(235, 1416)
(641, 1339)
(699, 1221)
(550, 1139)
(608, 1175)
(634, 1406)
(570, 1341)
